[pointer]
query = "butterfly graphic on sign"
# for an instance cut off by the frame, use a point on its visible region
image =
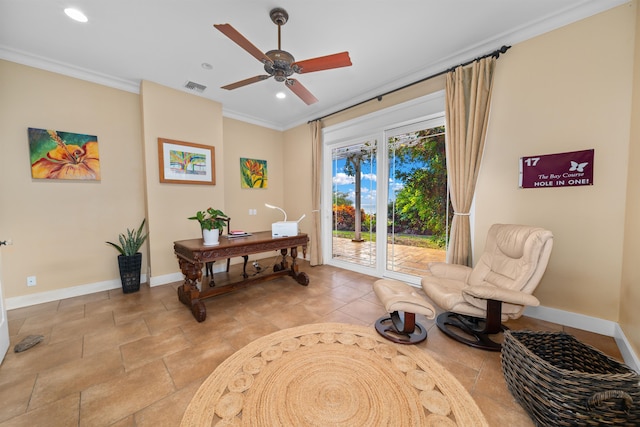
(577, 167)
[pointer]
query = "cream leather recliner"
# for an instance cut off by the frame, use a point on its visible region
(498, 288)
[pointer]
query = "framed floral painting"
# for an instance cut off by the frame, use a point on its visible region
(63, 155)
(253, 173)
(186, 162)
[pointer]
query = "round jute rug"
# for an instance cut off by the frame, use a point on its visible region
(331, 374)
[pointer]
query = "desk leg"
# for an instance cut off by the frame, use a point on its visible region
(244, 266)
(301, 278)
(188, 292)
(283, 265)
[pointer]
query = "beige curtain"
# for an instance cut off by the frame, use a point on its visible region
(468, 99)
(315, 241)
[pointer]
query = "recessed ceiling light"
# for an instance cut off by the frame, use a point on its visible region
(76, 15)
(207, 66)
(281, 95)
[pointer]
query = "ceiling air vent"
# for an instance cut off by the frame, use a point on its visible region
(195, 86)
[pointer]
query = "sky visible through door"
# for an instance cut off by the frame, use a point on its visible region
(416, 211)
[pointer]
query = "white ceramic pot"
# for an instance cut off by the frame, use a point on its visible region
(211, 237)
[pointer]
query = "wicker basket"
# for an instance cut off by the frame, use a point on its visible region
(561, 381)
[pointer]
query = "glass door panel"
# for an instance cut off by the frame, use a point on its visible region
(354, 203)
(417, 202)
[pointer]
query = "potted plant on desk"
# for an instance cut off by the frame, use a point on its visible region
(212, 222)
(130, 260)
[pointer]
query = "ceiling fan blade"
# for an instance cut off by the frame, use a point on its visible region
(336, 60)
(241, 41)
(302, 92)
(245, 82)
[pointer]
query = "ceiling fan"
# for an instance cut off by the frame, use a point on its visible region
(280, 64)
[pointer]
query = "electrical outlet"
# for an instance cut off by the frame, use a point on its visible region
(31, 281)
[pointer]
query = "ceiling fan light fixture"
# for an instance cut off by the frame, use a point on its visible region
(279, 75)
(76, 14)
(281, 95)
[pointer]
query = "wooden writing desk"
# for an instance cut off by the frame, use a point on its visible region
(192, 256)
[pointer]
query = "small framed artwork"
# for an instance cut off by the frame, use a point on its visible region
(63, 155)
(186, 163)
(253, 173)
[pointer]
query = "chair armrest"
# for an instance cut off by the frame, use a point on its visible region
(449, 271)
(499, 294)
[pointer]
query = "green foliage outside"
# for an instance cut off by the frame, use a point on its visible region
(400, 239)
(341, 199)
(421, 206)
(419, 212)
(344, 219)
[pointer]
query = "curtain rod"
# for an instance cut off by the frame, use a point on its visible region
(496, 53)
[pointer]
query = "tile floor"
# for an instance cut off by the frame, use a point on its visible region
(399, 258)
(110, 359)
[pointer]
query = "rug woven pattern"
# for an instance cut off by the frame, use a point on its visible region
(331, 374)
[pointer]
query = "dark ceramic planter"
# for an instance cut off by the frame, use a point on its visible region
(130, 267)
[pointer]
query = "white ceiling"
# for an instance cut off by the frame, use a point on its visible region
(391, 44)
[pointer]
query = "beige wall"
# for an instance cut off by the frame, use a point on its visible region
(176, 115)
(630, 290)
(569, 89)
(297, 180)
(253, 142)
(59, 228)
(566, 90)
(420, 89)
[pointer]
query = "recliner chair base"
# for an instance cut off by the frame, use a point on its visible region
(474, 327)
(401, 332)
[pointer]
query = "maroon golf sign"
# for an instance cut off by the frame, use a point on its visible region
(557, 170)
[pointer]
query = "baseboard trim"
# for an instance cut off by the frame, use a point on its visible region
(591, 324)
(573, 320)
(629, 356)
(58, 294)
(166, 278)
(179, 277)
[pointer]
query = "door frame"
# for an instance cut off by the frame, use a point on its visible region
(4, 322)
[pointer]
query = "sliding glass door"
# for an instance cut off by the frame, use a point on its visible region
(384, 204)
(416, 208)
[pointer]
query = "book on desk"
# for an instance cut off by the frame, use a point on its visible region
(237, 233)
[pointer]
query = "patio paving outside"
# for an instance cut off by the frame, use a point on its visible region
(401, 258)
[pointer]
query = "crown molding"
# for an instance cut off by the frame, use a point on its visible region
(58, 67)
